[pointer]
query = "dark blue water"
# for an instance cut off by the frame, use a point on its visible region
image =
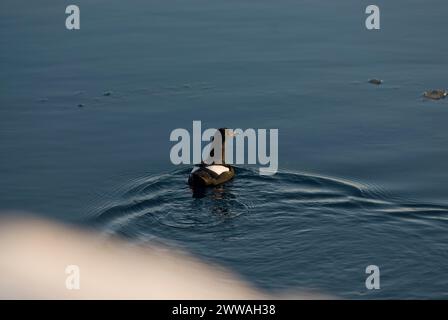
(363, 172)
(291, 230)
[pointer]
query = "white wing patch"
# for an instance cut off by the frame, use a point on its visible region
(218, 169)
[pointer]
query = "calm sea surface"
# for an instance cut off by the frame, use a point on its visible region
(363, 169)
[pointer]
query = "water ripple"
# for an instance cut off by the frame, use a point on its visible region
(166, 200)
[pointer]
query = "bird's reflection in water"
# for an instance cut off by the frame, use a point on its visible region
(219, 196)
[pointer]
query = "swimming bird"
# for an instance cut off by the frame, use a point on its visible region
(435, 94)
(376, 81)
(212, 172)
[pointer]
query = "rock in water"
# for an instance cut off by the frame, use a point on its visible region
(435, 94)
